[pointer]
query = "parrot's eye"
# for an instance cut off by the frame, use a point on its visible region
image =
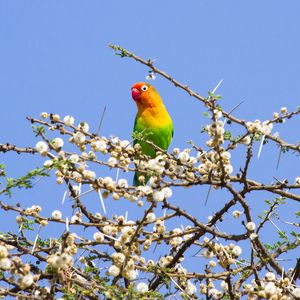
(144, 88)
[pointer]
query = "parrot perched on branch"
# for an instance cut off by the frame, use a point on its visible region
(152, 122)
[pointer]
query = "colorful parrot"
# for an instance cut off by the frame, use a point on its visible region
(152, 121)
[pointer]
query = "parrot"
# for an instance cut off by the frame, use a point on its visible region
(152, 121)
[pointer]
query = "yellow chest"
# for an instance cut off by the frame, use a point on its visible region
(154, 117)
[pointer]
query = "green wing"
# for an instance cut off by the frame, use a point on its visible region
(161, 137)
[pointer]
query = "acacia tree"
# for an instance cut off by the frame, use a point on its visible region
(151, 256)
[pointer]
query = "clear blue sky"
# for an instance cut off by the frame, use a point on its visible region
(54, 57)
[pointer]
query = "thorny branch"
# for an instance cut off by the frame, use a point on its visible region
(169, 250)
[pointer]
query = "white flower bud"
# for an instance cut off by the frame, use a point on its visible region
(167, 192)
(69, 120)
(213, 292)
(296, 292)
(55, 117)
(56, 214)
(98, 237)
(113, 271)
(79, 138)
(251, 226)
(88, 174)
(64, 261)
(44, 115)
(218, 114)
(131, 275)
(48, 163)
(226, 155)
(99, 145)
(270, 288)
(74, 158)
(158, 196)
(228, 169)
(5, 263)
(283, 110)
(27, 280)
(19, 219)
(112, 161)
(3, 251)
(41, 147)
(142, 287)
(236, 214)
(84, 126)
(190, 288)
(176, 151)
(237, 250)
(183, 156)
(246, 140)
(212, 263)
(122, 183)
(150, 217)
(270, 276)
(224, 285)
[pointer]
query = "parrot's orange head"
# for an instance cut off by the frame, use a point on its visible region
(145, 95)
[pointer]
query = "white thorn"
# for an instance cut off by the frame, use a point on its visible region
(35, 240)
(102, 202)
(179, 287)
(67, 224)
(110, 237)
(214, 90)
(64, 198)
(84, 193)
(126, 216)
(34, 244)
(182, 269)
(165, 212)
(260, 146)
(117, 176)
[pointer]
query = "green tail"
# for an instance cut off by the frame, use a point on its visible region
(136, 179)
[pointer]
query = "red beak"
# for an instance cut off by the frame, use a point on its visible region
(136, 94)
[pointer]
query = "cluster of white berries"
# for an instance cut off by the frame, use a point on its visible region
(176, 241)
(216, 132)
(63, 260)
(226, 254)
(5, 262)
(257, 127)
(272, 288)
(142, 287)
(154, 167)
(283, 112)
(60, 261)
(128, 270)
(215, 163)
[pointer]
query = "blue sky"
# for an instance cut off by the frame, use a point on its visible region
(54, 57)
